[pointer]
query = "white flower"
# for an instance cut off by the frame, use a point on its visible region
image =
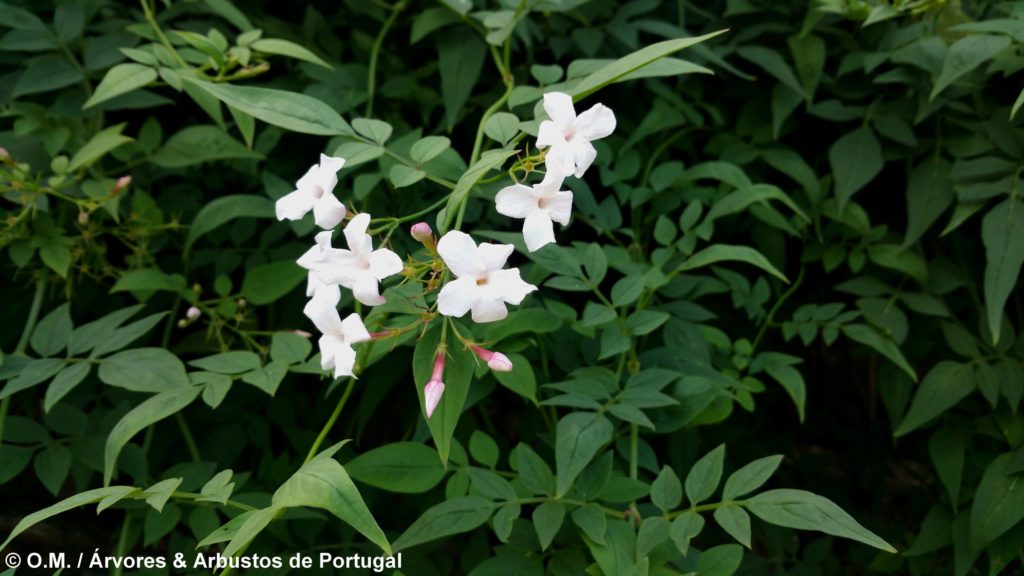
(570, 136)
(315, 191)
(360, 268)
(539, 205)
(480, 285)
(339, 335)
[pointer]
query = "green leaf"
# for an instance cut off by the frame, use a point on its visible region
(721, 560)
(702, 480)
(118, 338)
(289, 348)
(57, 257)
(882, 344)
(965, 55)
(534, 472)
(159, 524)
(726, 252)
(102, 142)
(198, 144)
(158, 494)
(792, 382)
(323, 483)
(488, 161)
(405, 467)
(218, 489)
(33, 373)
(458, 372)
(53, 331)
(241, 530)
(547, 519)
(666, 490)
(774, 64)
(453, 516)
(855, 158)
(622, 67)
(945, 384)
(684, 528)
(144, 370)
(735, 521)
(483, 449)
(750, 477)
(578, 438)
(741, 199)
(233, 362)
(270, 282)
(376, 130)
(627, 290)
(225, 9)
(502, 127)
(401, 175)
(592, 521)
(947, 448)
(806, 511)
(1017, 104)
(288, 110)
(87, 497)
(148, 279)
(460, 59)
(929, 194)
(428, 148)
(225, 209)
(150, 411)
(521, 379)
(119, 80)
(65, 382)
(1002, 232)
(998, 503)
(52, 465)
(267, 378)
(289, 49)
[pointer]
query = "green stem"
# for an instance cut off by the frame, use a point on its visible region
(30, 325)
(151, 18)
(371, 87)
(778, 304)
(330, 421)
(190, 442)
(479, 140)
(122, 542)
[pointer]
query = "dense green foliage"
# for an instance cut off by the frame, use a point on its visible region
(779, 335)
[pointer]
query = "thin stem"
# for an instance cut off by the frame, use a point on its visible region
(371, 87)
(122, 542)
(30, 325)
(778, 304)
(330, 421)
(151, 18)
(190, 442)
(479, 140)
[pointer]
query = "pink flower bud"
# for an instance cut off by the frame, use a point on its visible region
(495, 360)
(192, 313)
(435, 387)
(4, 155)
(421, 232)
(83, 218)
(120, 185)
(302, 333)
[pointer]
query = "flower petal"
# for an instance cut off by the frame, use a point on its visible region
(328, 348)
(516, 201)
(560, 158)
(494, 256)
(316, 287)
(294, 205)
(548, 134)
(344, 359)
(310, 179)
(359, 241)
(331, 163)
(538, 230)
(366, 290)
(559, 107)
(511, 287)
(384, 263)
(457, 297)
(324, 315)
(489, 310)
(354, 330)
(559, 207)
(595, 123)
(583, 154)
(459, 253)
(328, 211)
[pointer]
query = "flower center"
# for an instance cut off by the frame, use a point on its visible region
(543, 203)
(482, 281)
(569, 133)
(318, 192)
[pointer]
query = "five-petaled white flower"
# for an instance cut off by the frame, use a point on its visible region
(539, 205)
(315, 191)
(360, 268)
(339, 335)
(570, 136)
(480, 284)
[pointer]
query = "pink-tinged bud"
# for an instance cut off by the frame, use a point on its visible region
(379, 335)
(122, 183)
(495, 360)
(435, 387)
(83, 218)
(421, 232)
(4, 155)
(192, 313)
(302, 333)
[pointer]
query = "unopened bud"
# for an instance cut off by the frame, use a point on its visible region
(192, 313)
(435, 387)
(4, 155)
(422, 233)
(83, 218)
(495, 360)
(120, 185)
(241, 303)
(302, 333)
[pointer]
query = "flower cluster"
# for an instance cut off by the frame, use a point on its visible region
(475, 280)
